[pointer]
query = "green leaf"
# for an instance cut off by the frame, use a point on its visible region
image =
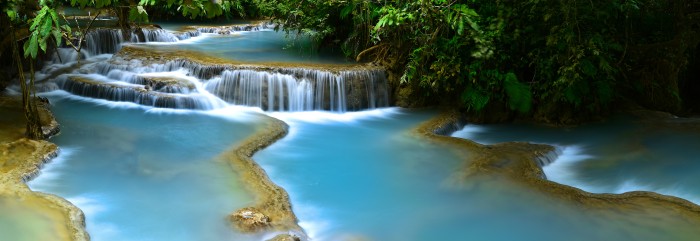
(57, 36)
(12, 14)
(38, 19)
(346, 10)
(138, 14)
(42, 44)
(54, 17)
(46, 27)
(31, 47)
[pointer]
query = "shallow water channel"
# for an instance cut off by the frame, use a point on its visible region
(146, 175)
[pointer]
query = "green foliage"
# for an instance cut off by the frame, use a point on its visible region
(519, 95)
(475, 99)
(138, 14)
(519, 54)
(565, 53)
(44, 26)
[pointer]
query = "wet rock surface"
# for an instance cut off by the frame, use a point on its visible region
(272, 200)
(285, 237)
(250, 220)
(20, 161)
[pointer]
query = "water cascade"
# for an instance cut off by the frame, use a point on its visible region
(233, 28)
(271, 89)
(207, 86)
(114, 91)
(302, 89)
(109, 41)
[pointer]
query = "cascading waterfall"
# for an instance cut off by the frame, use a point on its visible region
(125, 92)
(271, 89)
(104, 41)
(233, 28)
(302, 89)
(203, 86)
(109, 41)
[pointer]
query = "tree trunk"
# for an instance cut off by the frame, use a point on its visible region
(28, 94)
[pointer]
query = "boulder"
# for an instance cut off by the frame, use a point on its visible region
(249, 220)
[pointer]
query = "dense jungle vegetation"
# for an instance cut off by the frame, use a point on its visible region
(556, 61)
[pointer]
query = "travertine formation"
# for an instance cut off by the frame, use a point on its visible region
(21, 159)
(520, 162)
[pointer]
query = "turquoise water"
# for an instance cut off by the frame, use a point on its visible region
(620, 155)
(141, 174)
(362, 176)
(258, 46)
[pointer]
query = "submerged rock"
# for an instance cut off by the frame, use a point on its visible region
(249, 220)
(285, 237)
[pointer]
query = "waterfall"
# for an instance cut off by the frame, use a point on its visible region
(302, 89)
(234, 28)
(185, 84)
(187, 34)
(109, 41)
(154, 35)
(268, 88)
(104, 41)
(99, 87)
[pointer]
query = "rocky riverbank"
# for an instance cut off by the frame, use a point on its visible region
(21, 159)
(272, 210)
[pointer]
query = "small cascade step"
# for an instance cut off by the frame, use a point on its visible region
(158, 82)
(233, 28)
(110, 40)
(87, 87)
(165, 84)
